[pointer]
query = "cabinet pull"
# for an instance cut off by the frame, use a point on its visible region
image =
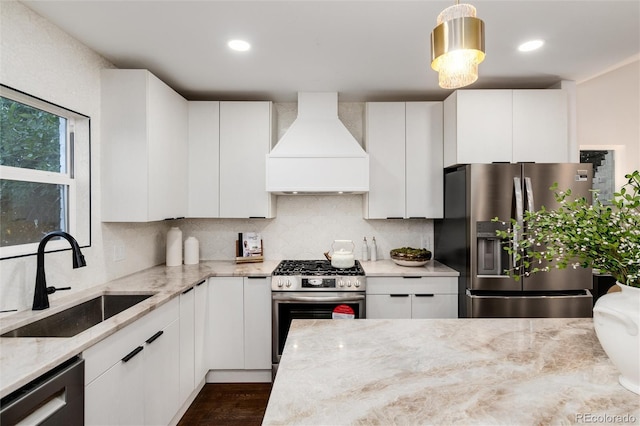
(187, 290)
(398, 295)
(425, 295)
(200, 283)
(257, 217)
(411, 277)
(154, 337)
(395, 217)
(256, 278)
(133, 353)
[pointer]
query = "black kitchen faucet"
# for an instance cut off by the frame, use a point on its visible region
(40, 295)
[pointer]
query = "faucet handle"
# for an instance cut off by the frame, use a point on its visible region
(51, 290)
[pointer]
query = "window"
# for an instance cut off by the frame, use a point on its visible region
(44, 173)
(603, 173)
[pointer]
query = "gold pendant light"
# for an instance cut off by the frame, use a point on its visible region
(457, 46)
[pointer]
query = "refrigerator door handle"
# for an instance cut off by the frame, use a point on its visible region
(529, 190)
(517, 189)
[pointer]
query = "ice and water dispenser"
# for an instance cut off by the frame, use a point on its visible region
(492, 258)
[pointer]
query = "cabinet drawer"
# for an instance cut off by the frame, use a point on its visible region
(108, 352)
(387, 306)
(412, 285)
(436, 306)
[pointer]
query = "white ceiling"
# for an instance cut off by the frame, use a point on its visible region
(365, 50)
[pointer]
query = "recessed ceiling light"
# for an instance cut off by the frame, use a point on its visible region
(239, 45)
(530, 45)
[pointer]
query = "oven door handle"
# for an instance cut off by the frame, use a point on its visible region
(347, 299)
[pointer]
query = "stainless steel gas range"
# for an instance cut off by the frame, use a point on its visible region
(313, 289)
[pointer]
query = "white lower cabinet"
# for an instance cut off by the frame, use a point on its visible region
(240, 323)
(412, 297)
(132, 377)
(187, 343)
(201, 341)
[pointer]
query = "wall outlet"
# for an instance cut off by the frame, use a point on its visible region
(119, 252)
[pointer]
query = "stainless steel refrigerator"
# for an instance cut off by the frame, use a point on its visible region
(466, 240)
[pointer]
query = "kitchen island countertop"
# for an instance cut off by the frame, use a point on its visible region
(447, 371)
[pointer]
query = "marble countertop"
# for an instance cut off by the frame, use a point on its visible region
(386, 267)
(447, 371)
(24, 359)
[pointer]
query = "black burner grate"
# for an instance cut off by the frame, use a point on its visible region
(315, 268)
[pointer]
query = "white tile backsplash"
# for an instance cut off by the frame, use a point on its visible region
(305, 227)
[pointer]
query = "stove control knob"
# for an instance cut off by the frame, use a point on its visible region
(280, 283)
(288, 284)
(357, 284)
(341, 283)
(349, 283)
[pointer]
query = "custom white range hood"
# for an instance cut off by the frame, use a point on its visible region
(317, 154)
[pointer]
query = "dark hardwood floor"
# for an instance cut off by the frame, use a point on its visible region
(228, 404)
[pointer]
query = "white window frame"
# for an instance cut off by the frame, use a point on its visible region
(39, 176)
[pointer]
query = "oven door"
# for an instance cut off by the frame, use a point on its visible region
(288, 306)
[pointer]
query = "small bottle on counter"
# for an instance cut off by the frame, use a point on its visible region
(365, 250)
(174, 246)
(191, 251)
(374, 250)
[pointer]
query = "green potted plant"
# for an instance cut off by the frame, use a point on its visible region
(603, 237)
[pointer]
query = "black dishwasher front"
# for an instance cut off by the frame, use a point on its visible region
(55, 398)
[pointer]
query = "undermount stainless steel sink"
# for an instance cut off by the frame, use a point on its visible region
(79, 318)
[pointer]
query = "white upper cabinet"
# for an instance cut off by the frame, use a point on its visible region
(486, 126)
(424, 175)
(477, 127)
(540, 126)
(404, 142)
(385, 142)
(245, 139)
(204, 159)
(143, 148)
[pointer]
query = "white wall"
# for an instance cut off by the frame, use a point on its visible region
(608, 111)
(41, 60)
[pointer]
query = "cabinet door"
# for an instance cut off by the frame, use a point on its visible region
(388, 306)
(257, 323)
(424, 177)
(226, 321)
(144, 156)
(201, 344)
(540, 126)
(478, 127)
(187, 344)
(115, 397)
(124, 159)
(429, 305)
(167, 138)
(162, 376)
(245, 139)
(385, 142)
(204, 159)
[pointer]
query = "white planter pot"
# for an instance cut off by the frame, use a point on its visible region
(615, 319)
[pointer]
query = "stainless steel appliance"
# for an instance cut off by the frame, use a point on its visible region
(466, 239)
(55, 398)
(313, 289)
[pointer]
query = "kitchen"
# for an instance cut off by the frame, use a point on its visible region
(120, 249)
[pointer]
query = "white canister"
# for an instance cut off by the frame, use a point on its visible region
(174, 247)
(191, 251)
